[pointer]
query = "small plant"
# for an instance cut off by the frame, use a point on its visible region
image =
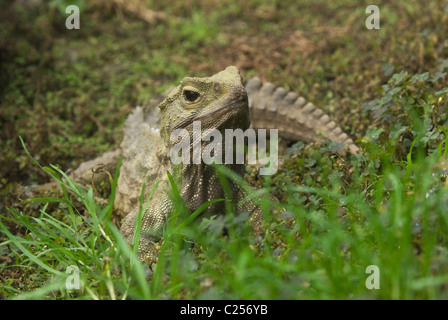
(412, 113)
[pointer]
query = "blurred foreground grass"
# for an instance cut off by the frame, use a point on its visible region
(67, 93)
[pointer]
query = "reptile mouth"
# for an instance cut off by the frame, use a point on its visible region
(222, 110)
(215, 113)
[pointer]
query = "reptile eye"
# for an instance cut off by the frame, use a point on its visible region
(191, 96)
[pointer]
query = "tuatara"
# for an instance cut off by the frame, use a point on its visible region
(220, 102)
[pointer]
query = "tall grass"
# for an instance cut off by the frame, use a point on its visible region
(317, 249)
(108, 266)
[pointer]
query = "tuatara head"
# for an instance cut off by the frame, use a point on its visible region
(219, 102)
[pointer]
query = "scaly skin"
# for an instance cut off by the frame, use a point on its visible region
(273, 107)
(223, 102)
(219, 102)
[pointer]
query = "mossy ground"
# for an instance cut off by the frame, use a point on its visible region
(68, 92)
